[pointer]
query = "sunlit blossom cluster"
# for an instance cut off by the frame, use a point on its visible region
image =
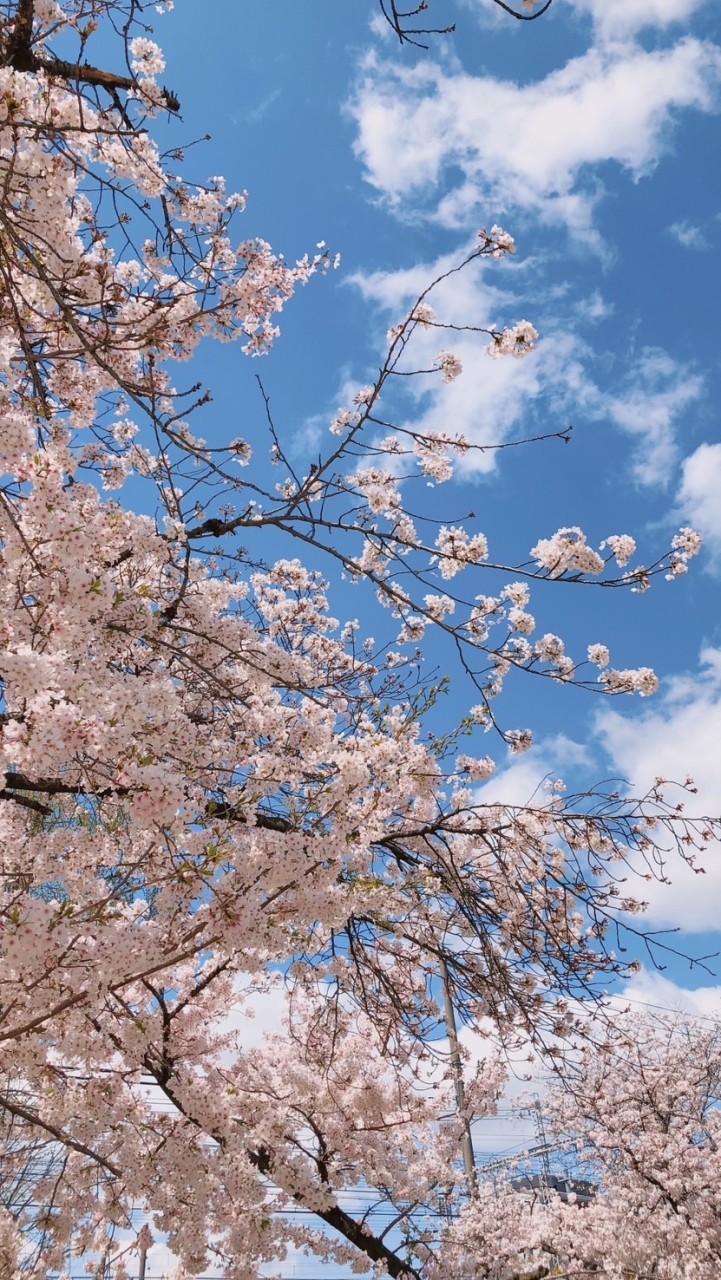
(478, 769)
(684, 546)
(622, 547)
(449, 365)
(567, 552)
(518, 341)
(642, 680)
(456, 549)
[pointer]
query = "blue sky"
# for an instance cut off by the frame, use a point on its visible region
(592, 136)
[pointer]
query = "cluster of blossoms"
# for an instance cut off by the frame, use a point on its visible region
(551, 649)
(567, 552)
(599, 654)
(640, 680)
(517, 341)
(622, 547)
(434, 452)
(422, 315)
(684, 546)
(146, 58)
(27, 937)
(449, 365)
(519, 740)
(347, 419)
(478, 770)
(379, 489)
(456, 549)
(498, 241)
(344, 421)
(439, 607)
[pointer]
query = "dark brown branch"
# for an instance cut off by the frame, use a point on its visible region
(231, 813)
(397, 20)
(17, 784)
(77, 71)
(26, 802)
(371, 1245)
(22, 57)
(48, 786)
(67, 1141)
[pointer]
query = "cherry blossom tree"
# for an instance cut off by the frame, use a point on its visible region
(642, 1116)
(211, 789)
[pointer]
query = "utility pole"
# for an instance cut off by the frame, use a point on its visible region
(543, 1144)
(143, 1258)
(469, 1159)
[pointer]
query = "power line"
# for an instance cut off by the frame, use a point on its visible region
(683, 1014)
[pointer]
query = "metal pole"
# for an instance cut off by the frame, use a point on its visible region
(143, 1256)
(469, 1159)
(543, 1143)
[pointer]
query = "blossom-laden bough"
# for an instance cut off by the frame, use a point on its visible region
(209, 789)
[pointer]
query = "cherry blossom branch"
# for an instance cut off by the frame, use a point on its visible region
(65, 1139)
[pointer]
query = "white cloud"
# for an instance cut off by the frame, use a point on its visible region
(656, 993)
(613, 20)
(698, 496)
(679, 735)
(688, 235)
(526, 146)
(621, 19)
(522, 779)
(656, 394)
(487, 404)
(594, 307)
(254, 1017)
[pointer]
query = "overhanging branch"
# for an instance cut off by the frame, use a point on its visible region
(21, 56)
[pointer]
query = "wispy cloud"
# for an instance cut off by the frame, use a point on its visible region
(688, 235)
(654, 397)
(255, 114)
(488, 401)
(656, 993)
